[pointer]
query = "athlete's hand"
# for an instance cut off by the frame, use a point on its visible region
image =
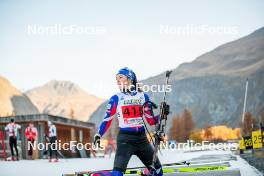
(97, 138)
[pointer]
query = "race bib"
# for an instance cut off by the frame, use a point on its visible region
(132, 115)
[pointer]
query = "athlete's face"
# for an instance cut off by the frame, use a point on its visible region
(123, 82)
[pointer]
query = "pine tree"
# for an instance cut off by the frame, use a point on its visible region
(175, 128)
(247, 125)
(187, 125)
(182, 126)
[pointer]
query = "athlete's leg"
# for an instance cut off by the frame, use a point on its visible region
(123, 154)
(145, 154)
(56, 149)
(50, 149)
(11, 144)
(15, 145)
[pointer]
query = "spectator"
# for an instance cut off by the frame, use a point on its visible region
(12, 129)
(31, 134)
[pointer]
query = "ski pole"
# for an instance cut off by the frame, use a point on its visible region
(160, 127)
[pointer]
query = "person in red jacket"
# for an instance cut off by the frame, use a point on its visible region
(31, 134)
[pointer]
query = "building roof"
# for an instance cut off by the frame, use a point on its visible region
(47, 117)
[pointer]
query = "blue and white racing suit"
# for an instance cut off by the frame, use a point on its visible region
(131, 140)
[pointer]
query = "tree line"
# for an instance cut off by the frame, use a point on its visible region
(183, 128)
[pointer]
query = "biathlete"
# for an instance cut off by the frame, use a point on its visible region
(130, 106)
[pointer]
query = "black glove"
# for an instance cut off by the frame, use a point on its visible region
(97, 138)
(166, 108)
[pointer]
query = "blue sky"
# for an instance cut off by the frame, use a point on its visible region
(132, 38)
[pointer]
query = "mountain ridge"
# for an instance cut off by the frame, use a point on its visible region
(212, 86)
(64, 98)
(13, 101)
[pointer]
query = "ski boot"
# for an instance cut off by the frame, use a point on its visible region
(152, 172)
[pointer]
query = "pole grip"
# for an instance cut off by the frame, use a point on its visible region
(168, 73)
